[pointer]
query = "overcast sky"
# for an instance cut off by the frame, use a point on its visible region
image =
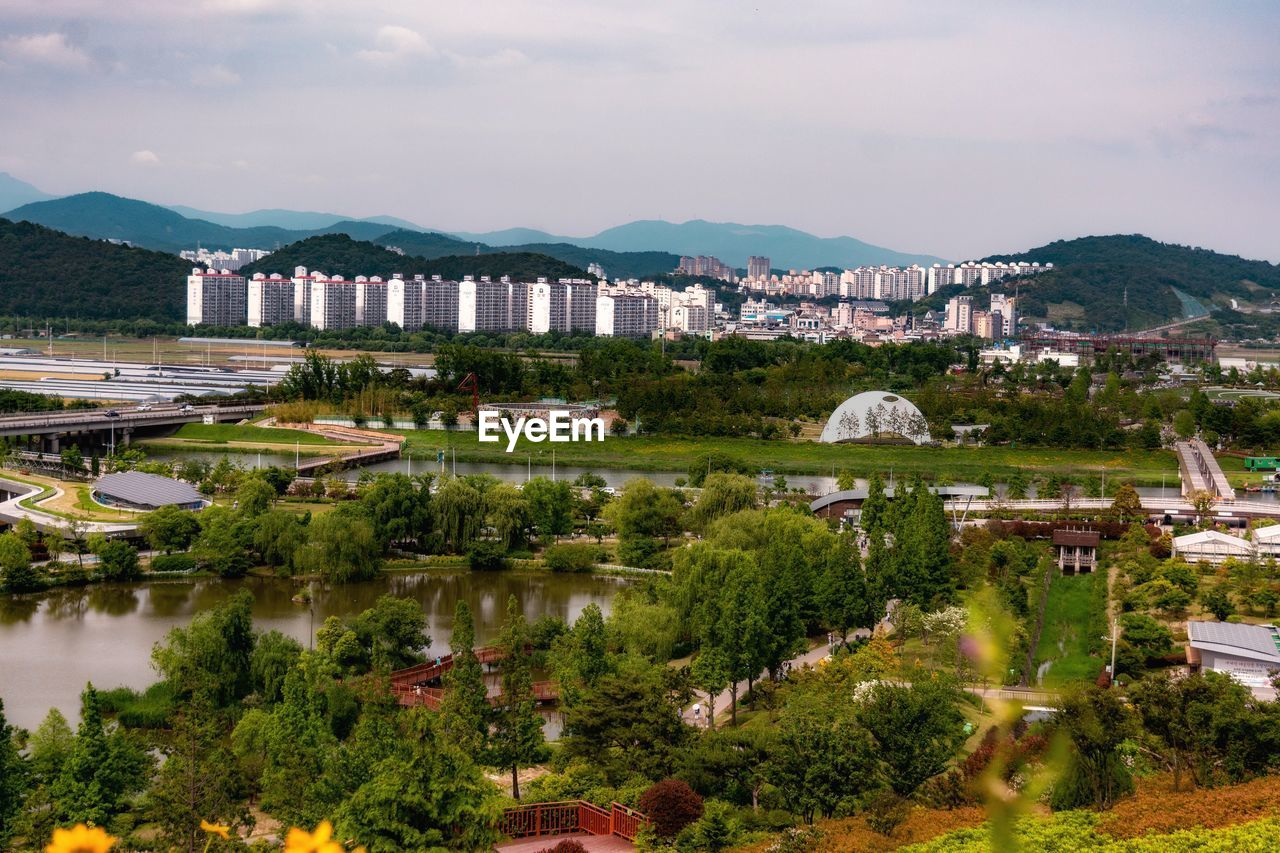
(927, 127)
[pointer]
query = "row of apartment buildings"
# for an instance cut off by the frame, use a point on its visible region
(222, 298)
(223, 260)
(891, 284)
(999, 321)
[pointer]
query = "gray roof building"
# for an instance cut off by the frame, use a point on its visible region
(1248, 653)
(136, 490)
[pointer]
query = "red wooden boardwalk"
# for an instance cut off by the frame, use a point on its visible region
(593, 843)
(422, 684)
(538, 826)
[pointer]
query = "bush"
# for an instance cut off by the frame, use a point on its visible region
(571, 557)
(486, 555)
(173, 563)
(886, 812)
(119, 561)
(567, 845)
(671, 805)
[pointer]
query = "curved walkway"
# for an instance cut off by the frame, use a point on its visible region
(12, 511)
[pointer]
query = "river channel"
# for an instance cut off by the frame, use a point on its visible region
(51, 644)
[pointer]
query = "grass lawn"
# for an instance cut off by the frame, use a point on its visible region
(223, 433)
(654, 453)
(1068, 619)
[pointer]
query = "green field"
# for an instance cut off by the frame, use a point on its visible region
(1068, 621)
(652, 453)
(223, 433)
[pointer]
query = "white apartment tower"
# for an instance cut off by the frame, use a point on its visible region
(371, 301)
(270, 300)
(333, 302)
(626, 315)
(216, 298)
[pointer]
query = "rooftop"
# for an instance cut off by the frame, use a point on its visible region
(1260, 642)
(142, 489)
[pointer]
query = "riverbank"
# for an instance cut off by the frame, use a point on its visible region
(657, 453)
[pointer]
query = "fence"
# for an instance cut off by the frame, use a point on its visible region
(538, 819)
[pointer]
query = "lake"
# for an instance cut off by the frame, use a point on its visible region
(52, 643)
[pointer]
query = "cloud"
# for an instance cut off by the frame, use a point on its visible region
(145, 157)
(51, 49)
(394, 44)
(214, 76)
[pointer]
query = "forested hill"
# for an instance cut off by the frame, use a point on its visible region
(1086, 288)
(45, 273)
(616, 264)
(338, 254)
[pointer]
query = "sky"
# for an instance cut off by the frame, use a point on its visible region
(956, 129)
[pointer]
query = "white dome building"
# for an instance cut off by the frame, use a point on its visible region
(874, 415)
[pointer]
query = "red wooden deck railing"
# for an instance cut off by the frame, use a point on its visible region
(538, 819)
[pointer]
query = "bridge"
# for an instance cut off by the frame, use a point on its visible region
(538, 826)
(1200, 471)
(53, 427)
(1221, 510)
(423, 684)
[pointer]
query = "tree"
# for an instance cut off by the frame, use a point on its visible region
(550, 506)
(16, 573)
(224, 542)
(425, 795)
(278, 537)
(1217, 601)
(1127, 505)
(198, 781)
(846, 481)
(821, 756)
(672, 805)
(1143, 640)
(465, 710)
(254, 496)
(873, 517)
(917, 730)
(274, 654)
(393, 631)
(723, 494)
(508, 513)
(629, 723)
(170, 529)
(212, 656)
(293, 742)
(341, 548)
(842, 593)
(101, 771)
(1096, 721)
(457, 511)
(517, 732)
(14, 777)
(73, 459)
(119, 561)
(399, 509)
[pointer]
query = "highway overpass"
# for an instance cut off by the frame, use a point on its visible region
(53, 429)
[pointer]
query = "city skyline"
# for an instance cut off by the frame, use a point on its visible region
(934, 129)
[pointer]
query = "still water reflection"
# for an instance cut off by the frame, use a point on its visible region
(52, 644)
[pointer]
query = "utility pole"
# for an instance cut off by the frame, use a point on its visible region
(1115, 636)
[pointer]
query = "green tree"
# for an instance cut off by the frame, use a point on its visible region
(394, 630)
(295, 741)
(457, 511)
(842, 593)
(550, 506)
(465, 709)
(917, 731)
(1096, 722)
(399, 509)
(212, 655)
(340, 548)
(119, 561)
(821, 756)
(254, 496)
(101, 771)
(874, 514)
(274, 654)
(1127, 505)
(846, 481)
(199, 780)
(508, 513)
(1217, 601)
(723, 494)
(14, 778)
(426, 795)
(170, 529)
(278, 537)
(517, 739)
(16, 572)
(224, 542)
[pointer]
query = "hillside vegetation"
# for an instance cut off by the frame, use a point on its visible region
(45, 273)
(338, 254)
(1086, 288)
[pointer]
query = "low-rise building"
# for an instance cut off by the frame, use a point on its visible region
(1248, 653)
(1211, 546)
(1076, 550)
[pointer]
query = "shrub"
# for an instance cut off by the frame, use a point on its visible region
(567, 845)
(173, 563)
(486, 555)
(886, 812)
(671, 805)
(571, 557)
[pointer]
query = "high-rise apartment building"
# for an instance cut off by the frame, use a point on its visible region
(270, 300)
(959, 314)
(758, 267)
(626, 315)
(333, 302)
(1005, 307)
(371, 301)
(492, 306)
(440, 304)
(216, 298)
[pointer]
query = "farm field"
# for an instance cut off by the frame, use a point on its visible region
(653, 453)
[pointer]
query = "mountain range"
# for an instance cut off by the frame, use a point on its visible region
(178, 227)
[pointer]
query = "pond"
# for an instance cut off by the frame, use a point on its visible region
(51, 644)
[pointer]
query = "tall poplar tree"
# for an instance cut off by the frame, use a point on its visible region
(517, 733)
(465, 710)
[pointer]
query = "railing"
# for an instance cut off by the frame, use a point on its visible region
(627, 822)
(561, 818)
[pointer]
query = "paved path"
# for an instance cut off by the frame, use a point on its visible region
(810, 658)
(11, 510)
(593, 843)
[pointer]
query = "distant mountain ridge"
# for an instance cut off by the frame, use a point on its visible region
(293, 220)
(15, 193)
(731, 242)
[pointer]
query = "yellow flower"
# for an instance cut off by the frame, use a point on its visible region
(80, 839)
(301, 841)
(218, 829)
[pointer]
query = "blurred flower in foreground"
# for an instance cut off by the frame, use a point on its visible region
(320, 841)
(80, 839)
(218, 829)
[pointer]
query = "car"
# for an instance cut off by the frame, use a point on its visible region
(111, 413)
(144, 407)
(187, 408)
